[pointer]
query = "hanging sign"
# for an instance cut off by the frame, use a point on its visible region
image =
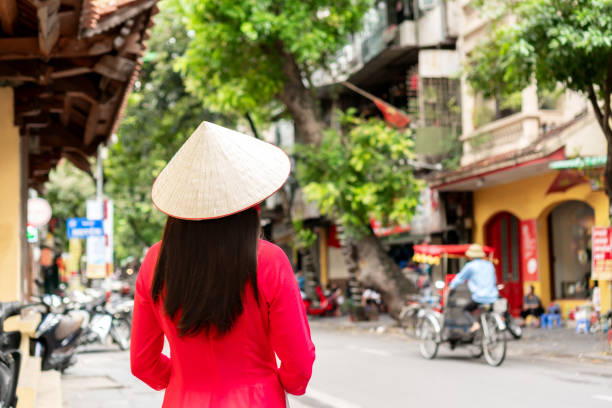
(529, 250)
(601, 267)
(83, 228)
(39, 212)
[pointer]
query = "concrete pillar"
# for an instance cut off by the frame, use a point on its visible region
(11, 203)
(529, 106)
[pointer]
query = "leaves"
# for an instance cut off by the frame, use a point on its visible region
(234, 61)
(555, 41)
(359, 173)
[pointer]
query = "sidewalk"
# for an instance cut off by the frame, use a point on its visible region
(558, 343)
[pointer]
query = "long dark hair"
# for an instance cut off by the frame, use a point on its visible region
(203, 268)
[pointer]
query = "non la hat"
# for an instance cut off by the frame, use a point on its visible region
(475, 251)
(219, 172)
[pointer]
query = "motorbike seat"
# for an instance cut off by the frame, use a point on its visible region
(67, 326)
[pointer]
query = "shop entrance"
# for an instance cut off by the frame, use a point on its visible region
(569, 228)
(502, 233)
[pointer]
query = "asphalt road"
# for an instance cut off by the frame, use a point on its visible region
(355, 369)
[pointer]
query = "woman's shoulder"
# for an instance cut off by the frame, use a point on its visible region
(272, 262)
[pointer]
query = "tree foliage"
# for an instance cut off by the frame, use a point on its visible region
(251, 56)
(160, 116)
(360, 173)
(555, 42)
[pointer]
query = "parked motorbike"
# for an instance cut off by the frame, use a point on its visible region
(57, 335)
(101, 320)
(10, 357)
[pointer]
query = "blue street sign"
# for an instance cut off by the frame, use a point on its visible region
(83, 228)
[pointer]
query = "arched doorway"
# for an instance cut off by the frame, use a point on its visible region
(569, 227)
(503, 234)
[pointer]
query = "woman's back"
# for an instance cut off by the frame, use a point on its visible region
(239, 368)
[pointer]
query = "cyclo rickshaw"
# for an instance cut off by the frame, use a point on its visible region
(449, 324)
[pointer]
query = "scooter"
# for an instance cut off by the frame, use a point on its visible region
(322, 307)
(56, 337)
(10, 357)
(99, 319)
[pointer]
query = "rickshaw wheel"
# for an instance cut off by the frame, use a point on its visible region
(428, 345)
(494, 347)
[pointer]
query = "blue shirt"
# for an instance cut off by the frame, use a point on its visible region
(480, 276)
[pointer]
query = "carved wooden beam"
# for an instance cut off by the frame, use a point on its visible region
(69, 23)
(8, 16)
(48, 24)
(91, 124)
(118, 68)
(29, 48)
(78, 158)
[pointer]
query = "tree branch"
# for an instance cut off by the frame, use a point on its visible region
(596, 109)
(607, 91)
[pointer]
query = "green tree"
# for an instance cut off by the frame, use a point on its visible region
(555, 42)
(160, 116)
(359, 173)
(67, 191)
(255, 56)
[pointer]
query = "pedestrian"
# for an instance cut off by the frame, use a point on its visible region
(301, 280)
(532, 306)
(226, 300)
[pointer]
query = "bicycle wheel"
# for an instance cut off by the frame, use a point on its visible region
(493, 341)
(429, 343)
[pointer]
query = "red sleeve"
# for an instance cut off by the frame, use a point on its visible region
(146, 358)
(289, 330)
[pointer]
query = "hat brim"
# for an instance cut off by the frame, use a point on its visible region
(219, 172)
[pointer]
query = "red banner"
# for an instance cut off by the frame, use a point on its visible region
(529, 250)
(602, 253)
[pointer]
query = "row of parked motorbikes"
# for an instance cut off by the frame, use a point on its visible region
(68, 322)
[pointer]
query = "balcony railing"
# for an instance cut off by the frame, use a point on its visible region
(504, 135)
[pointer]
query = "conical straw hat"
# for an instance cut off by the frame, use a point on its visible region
(475, 251)
(219, 172)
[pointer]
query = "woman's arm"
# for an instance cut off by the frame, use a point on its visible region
(146, 358)
(289, 330)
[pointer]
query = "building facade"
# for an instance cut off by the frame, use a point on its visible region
(538, 216)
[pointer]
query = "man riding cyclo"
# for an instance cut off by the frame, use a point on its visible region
(480, 276)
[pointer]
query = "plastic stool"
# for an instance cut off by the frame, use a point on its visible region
(544, 321)
(553, 318)
(582, 324)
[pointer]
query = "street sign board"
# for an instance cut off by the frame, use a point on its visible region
(83, 228)
(602, 253)
(39, 212)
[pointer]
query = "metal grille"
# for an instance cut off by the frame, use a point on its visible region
(441, 102)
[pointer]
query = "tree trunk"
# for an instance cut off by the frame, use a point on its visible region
(378, 270)
(603, 118)
(300, 102)
(350, 260)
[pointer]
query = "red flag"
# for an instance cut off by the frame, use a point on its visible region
(393, 116)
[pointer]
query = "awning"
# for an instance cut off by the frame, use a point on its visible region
(579, 163)
(431, 254)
